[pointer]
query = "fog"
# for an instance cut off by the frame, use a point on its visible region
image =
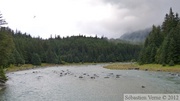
(109, 18)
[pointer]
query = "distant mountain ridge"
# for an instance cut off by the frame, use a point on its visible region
(136, 36)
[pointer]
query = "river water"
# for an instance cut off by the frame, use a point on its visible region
(85, 83)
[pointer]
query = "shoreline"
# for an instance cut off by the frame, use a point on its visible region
(13, 68)
(115, 66)
(26, 67)
(2, 86)
(145, 67)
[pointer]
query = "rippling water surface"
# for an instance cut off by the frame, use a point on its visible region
(85, 83)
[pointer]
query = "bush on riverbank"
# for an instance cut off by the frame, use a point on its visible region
(3, 77)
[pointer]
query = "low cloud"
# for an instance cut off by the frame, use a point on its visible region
(110, 18)
(132, 15)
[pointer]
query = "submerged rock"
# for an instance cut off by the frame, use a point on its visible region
(146, 69)
(39, 77)
(136, 68)
(35, 72)
(92, 77)
(2, 81)
(106, 77)
(2, 84)
(110, 73)
(80, 76)
(118, 76)
(159, 70)
(96, 75)
(142, 86)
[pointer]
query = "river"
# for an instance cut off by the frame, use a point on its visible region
(85, 83)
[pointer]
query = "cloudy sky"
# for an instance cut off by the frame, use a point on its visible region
(110, 18)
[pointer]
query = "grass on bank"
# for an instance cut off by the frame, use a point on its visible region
(13, 68)
(118, 66)
(148, 67)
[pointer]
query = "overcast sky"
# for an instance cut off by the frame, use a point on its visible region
(109, 18)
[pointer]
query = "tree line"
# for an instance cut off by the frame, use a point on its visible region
(162, 46)
(75, 49)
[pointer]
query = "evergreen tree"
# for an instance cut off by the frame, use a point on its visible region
(51, 57)
(11, 59)
(2, 21)
(36, 59)
(162, 44)
(171, 51)
(18, 58)
(170, 22)
(6, 46)
(152, 43)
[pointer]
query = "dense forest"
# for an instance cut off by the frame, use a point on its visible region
(74, 49)
(162, 46)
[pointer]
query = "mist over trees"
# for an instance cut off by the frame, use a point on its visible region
(163, 43)
(136, 36)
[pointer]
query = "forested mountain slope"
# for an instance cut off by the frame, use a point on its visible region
(136, 36)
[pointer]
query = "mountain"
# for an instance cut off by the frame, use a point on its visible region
(136, 36)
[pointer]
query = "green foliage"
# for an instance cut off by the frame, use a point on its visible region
(18, 58)
(171, 63)
(36, 59)
(163, 43)
(163, 64)
(51, 57)
(6, 45)
(74, 49)
(2, 75)
(151, 45)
